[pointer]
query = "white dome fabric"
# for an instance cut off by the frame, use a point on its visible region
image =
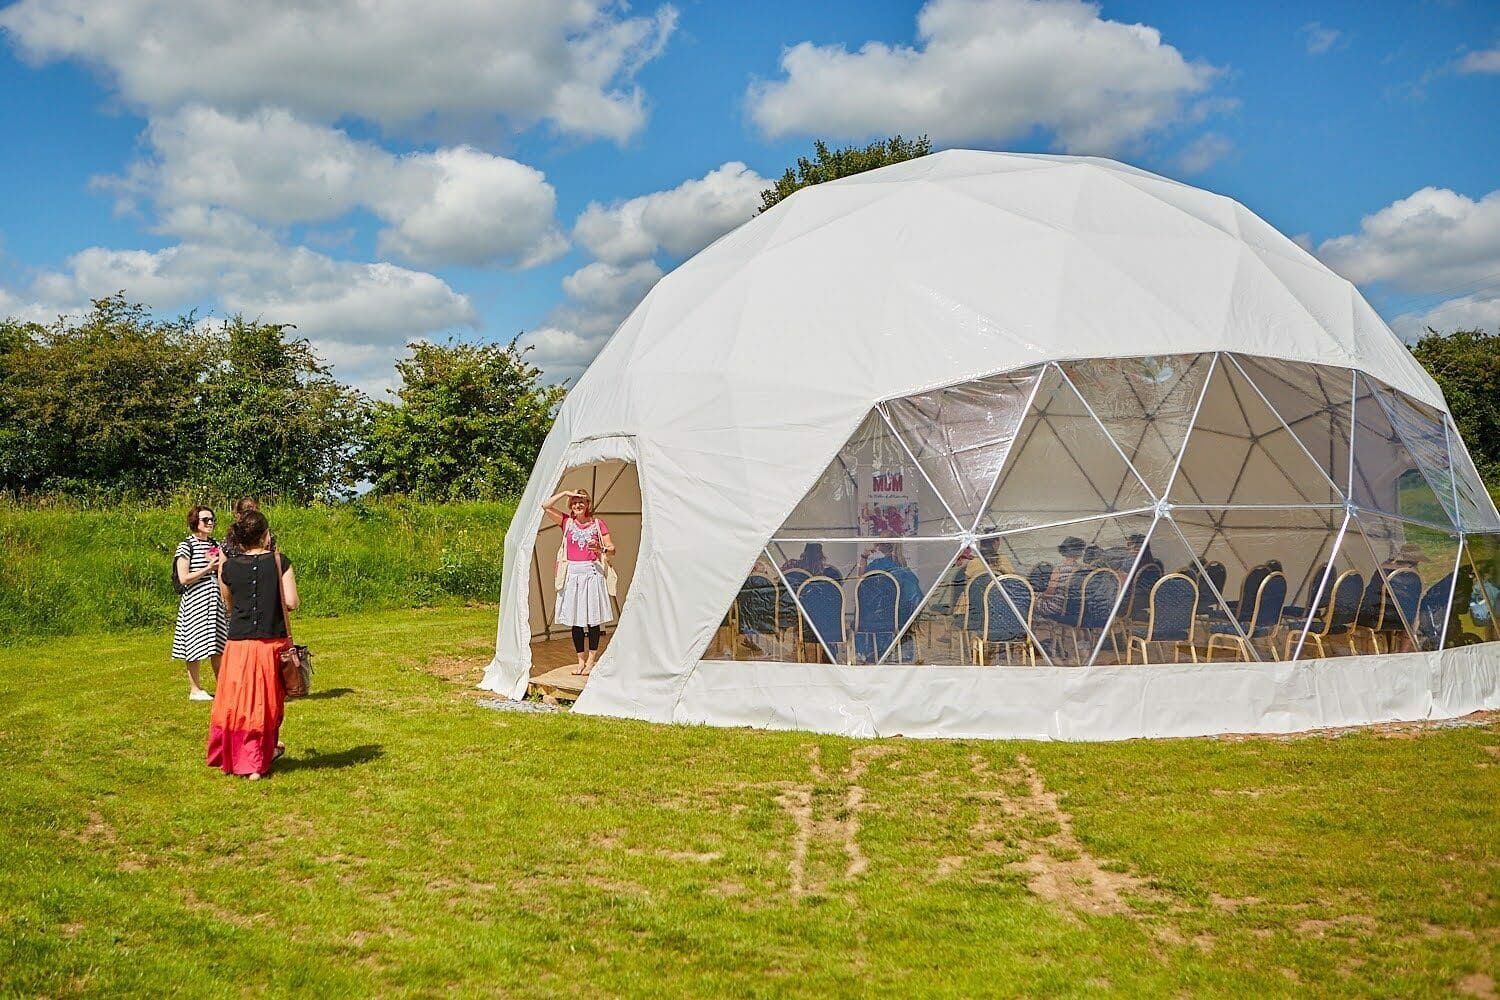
(744, 371)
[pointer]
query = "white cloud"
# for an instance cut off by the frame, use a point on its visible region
(626, 237)
(1203, 152)
(465, 206)
(611, 287)
(361, 314)
(401, 64)
(1486, 61)
(989, 70)
(1434, 241)
(680, 221)
(1480, 311)
(1318, 38)
(453, 206)
(1433, 244)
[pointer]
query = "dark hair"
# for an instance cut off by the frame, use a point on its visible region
(1072, 546)
(813, 552)
(1093, 554)
(243, 504)
(193, 515)
(250, 530)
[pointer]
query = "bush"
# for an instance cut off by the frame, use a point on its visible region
(72, 570)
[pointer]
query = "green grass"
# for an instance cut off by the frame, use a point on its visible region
(413, 843)
(72, 572)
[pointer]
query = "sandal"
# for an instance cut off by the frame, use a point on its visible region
(280, 752)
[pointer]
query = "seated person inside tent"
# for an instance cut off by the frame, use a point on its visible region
(948, 597)
(1122, 557)
(885, 559)
(813, 561)
(951, 596)
(1053, 601)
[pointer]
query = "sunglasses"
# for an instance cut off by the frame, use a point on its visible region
(205, 520)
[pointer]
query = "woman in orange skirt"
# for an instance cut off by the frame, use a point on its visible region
(249, 701)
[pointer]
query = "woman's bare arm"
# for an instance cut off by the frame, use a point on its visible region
(550, 507)
(188, 578)
(289, 589)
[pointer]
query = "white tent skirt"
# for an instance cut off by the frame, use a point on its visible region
(584, 598)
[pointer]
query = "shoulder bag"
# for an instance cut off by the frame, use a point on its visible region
(296, 661)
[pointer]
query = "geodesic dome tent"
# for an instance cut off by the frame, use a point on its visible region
(997, 445)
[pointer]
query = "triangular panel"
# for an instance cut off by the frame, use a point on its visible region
(873, 488)
(1416, 563)
(1076, 572)
(1314, 402)
(1146, 404)
(1476, 602)
(961, 435)
(952, 618)
(1424, 432)
(1476, 510)
(1063, 466)
(1387, 476)
(1240, 452)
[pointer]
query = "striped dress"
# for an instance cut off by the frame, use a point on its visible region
(200, 613)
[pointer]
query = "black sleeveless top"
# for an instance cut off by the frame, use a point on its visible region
(255, 597)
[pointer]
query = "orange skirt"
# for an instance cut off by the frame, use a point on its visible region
(248, 707)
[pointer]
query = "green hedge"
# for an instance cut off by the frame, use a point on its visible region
(68, 572)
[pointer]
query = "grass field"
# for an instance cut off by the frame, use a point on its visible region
(77, 571)
(414, 843)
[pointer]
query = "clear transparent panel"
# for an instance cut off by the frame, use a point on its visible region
(1146, 404)
(1423, 430)
(1240, 452)
(1333, 615)
(1476, 510)
(1246, 546)
(1476, 598)
(761, 623)
(864, 595)
(871, 489)
(1387, 476)
(1076, 571)
(1416, 564)
(1314, 402)
(975, 615)
(1140, 567)
(960, 435)
(1063, 466)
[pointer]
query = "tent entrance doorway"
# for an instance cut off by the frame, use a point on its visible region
(616, 490)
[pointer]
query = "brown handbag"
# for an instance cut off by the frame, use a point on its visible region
(296, 661)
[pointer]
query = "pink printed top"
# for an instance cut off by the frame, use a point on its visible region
(578, 537)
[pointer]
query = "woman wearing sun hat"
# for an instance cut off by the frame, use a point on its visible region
(583, 602)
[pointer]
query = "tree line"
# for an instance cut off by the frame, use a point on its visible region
(118, 405)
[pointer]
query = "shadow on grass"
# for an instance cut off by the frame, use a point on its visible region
(315, 761)
(330, 693)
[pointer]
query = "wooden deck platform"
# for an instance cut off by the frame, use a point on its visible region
(552, 665)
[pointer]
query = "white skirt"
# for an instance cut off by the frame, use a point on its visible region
(584, 598)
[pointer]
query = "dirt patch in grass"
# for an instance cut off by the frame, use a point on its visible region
(457, 670)
(198, 904)
(1058, 868)
(1385, 730)
(1478, 984)
(811, 825)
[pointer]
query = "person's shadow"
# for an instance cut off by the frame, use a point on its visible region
(330, 693)
(314, 761)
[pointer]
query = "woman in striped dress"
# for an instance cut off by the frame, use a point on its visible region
(200, 630)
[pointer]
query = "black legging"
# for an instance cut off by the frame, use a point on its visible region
(594, 631)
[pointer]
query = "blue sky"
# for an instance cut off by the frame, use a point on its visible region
(386, 171)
